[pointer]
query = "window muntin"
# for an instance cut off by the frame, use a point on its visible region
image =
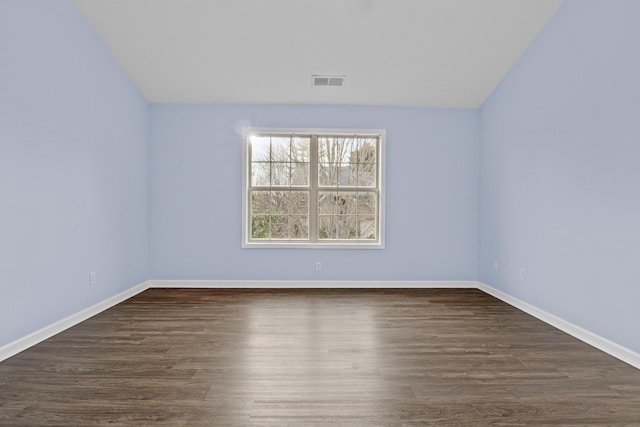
(313, 188)
(347, 215)
(347, 161)
(279, 215)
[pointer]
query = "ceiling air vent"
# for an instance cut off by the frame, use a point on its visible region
(327, 81)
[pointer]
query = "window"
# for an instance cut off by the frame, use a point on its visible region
(313, 188)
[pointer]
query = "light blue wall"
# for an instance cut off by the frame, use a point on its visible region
(556, 149)
(73, 189)
(560, 171)
(196, 187)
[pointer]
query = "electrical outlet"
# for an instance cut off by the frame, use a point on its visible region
(318, 266)
(522, 276)
(92, 278)
(496, 266)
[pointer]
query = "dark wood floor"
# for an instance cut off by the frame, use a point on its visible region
(316, 357)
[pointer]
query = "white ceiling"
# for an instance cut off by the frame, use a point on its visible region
(436, 53)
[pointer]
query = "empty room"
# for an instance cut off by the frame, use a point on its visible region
(319, 213)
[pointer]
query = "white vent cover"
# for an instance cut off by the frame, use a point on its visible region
(327, 81)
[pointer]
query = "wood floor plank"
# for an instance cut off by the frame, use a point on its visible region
(202, 357)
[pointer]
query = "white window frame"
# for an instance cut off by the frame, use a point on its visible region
(248, 132)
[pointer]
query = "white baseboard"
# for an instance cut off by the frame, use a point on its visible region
(616, 350)
(313, 284)
(55, 328)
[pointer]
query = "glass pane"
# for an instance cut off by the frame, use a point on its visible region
(300, 149)
(348, 173)
(260, 148)
(326, 227)
(347, 203)
(300, 174)
(346, 149)
(298, 203)
(280, 174)
(327, 174)
(336, 149)
(280, 202)
(326, 152)
(367, 227)
(367, 175)
(260, 202)
(280, 149)
(279, 227)
(260, 174)
(259, 227)
(366, 150)
(299, 226)
(327, 202)
(367, 203)
(347, 226)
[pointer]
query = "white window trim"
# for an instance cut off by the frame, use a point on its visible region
(247, 132)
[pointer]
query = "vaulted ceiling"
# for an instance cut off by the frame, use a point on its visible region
(436, 53)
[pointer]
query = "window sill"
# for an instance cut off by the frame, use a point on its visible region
(302, 245)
